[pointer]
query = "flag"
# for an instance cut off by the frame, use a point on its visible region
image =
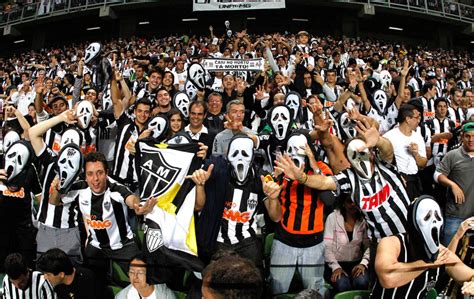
(170, 237)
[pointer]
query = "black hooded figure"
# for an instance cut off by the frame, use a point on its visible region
(100, 66)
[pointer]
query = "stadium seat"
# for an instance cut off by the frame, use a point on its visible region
(432, 294)
(268, 245)
(180, 295)
(139, 237)
(119, 277)
(285, 296)
(115, 290)
(353, 295)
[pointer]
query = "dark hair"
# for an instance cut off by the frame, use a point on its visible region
(144, 101)
(156, 70)
(96, 157)
(15, 265)
(406, 110)
(169, 114)
(198, 103)
(453, 90)
(232, 277)
(70, 78)
(427, 86)
(340, 205)
(55, 261)
(441, 99)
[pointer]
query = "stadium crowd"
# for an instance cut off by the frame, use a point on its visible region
(346, 161)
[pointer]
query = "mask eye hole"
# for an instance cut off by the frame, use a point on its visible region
(235, 153)
(70, 163)
(284, 117)
(437, 216)
(62, 161)
(428, 216)
(244, 153)
(11, 155)
(275, 117)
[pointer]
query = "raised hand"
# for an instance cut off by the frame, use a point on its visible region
(146, 208)
(270, 188)
(260, 94)
(200, 176)
(370, 133)
(286, 165)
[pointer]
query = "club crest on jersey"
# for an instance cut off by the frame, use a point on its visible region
(252, 203)
(154, 239)
(161, 175)
(107, 205)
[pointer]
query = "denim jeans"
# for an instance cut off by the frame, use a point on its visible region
(451, 225)
(345, 283)
(310, 263)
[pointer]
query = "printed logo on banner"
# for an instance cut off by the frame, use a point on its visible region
(161, 175)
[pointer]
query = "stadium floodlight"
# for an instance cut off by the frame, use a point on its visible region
(472, 41)
(144, 23)
(190, 20)
(92, 28)
(395, 28)
(300, 20)
(251, 18)
(19, 41)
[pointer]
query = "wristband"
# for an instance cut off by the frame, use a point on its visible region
(305, 179)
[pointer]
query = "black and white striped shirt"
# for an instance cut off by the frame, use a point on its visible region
(417, 288)
(464, 84)
(63, 216)
(105, 215)
(456, 115)
(240, 208)
(439, 149)
(124, 164)
(382, 199)
(428, 108)
(38, 288)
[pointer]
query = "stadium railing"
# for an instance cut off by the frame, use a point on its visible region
(444, 8)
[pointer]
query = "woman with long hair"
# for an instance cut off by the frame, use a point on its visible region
(176, 122)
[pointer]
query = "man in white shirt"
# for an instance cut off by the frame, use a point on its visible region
(196, 129)
(24, 97)
(409, 148)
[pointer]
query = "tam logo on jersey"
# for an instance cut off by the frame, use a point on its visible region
(374, 201)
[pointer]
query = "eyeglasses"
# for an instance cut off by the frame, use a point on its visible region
(136, 273)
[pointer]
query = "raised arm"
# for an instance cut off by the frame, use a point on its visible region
(403, 79)
(36, 132)
(115, 96)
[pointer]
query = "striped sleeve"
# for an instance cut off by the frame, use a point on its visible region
(42, 288)
(6, 289)
(343, 184)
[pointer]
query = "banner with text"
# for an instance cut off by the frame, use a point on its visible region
(222, 64)
(207, 5)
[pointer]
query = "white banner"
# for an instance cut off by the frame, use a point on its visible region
(222, 64)
(206, 5)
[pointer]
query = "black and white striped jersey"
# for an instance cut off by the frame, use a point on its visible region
(417, 288)
(464, 84)
(105, 215)
(382, 199)
(428, 108)
(38, 288)
(240, 208)
(456, 115)
(124, 164)
(440, 148)
(63, 216)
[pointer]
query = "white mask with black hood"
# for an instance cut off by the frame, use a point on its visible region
(159, 127)
(69, 166)
(279, 118)
(17, 160)
(359, 160)
(425, 224)
(295, 147)
(240, 156)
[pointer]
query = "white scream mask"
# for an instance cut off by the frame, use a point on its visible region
(159, 126)
(380, 100)
(385, 79)
(360, 161)
(190, 90)
(280, 119)
(295, 148)
(92, 51)
(17, 159)
(107, 100)
(69, 166)
(86, 111)
(71, 136)
(197, 75)
(10, 138)
(240, 156)
(428, 222)
(181, 102)
(348, 126)
(292, 100)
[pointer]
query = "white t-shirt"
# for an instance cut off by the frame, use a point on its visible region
(406, 163)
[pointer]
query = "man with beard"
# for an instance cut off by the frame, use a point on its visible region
(408, 265)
